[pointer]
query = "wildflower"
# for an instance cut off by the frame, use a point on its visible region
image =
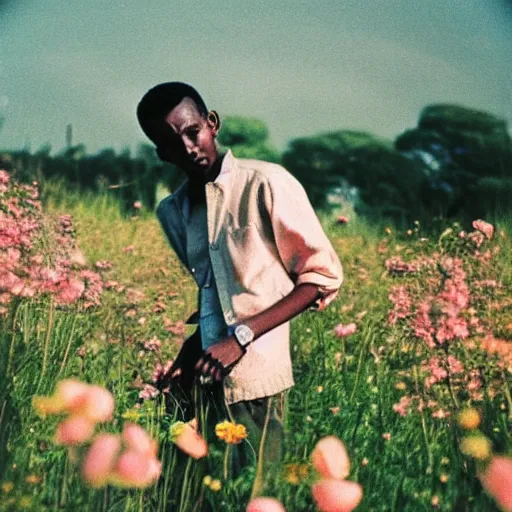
(333, 495)
(265, 505)
(388, 231)
(152, 345)
(74, 430)
(443, 478)
(469, 419)
(100, 459)
(207, 480)
(441, 414)
(334, 410)
(216, 485)
(402, 407)
(445, 461)
(7, 487)
(187, 439)
(231, 433)
(330, 458)
(364, 462)
(435, 501)
(345, 330)
(148, 392)
(401, 386)
(319, 389)
(484, 227)
(497, 481)
(32, 479)
(137, 205)
(25, 502)
(386, 436)
(342, 219)
(478, 447)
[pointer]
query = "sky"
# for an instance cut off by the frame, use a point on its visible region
(302, 67)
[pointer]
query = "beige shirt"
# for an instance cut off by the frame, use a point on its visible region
(264, 239)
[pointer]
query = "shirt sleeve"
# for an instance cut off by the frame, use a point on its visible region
(303, 246)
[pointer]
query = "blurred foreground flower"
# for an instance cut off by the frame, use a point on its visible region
(136, 466)
(478, 447)
(186, 437)
(345, 330)
(333, 495)
(497, 481)
(265, 505)
(330, 458)
(231, 433)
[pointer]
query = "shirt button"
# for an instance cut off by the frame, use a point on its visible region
(193, 270)
(214, 246)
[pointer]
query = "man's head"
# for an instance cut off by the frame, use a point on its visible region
(174, 116)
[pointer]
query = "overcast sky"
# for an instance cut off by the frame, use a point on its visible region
(303, 67)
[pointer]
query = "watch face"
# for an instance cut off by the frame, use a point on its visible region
(244, 334)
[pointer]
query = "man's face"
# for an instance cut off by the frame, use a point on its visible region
(188, 140)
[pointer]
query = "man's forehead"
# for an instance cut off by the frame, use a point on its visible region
(183, 112)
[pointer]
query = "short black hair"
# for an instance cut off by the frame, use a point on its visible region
(161, 99)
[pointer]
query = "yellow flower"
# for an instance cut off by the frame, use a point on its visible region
(401, 386)
(207, 480)
(7, 487)
(131, 415)
(295, 473)
(25, 502)
(216, 485)
(445, 461)
(176, 430)
(443, 477)
(231, 433)
(388, 231)
(435, 501)
(478, 447)
(33, 479)
(469, 419)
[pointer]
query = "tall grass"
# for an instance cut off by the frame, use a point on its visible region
(346, 387)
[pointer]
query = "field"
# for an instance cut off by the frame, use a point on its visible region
(432, 336)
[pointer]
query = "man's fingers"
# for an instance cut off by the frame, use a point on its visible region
(176, 373)
(218, 374)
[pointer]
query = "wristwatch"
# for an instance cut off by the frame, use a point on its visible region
(244, 335)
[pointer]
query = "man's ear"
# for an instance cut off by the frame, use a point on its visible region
(213, 120)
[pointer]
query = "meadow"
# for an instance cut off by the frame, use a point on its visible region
(421, 330)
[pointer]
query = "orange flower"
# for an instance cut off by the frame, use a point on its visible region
(497, 481)
(330, 458)
(265, 505)
(469, 419)
(231, 433)
(333, 495)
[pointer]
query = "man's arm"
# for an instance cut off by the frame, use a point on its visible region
(228, 351)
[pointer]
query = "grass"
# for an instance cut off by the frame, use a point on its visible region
(344, 387)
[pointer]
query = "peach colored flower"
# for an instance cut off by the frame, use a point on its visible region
(100, 459)
(136, 469)
(137, 439)
(484, 227)
(74, 430)
(332, 495)
(345, 330)
(497, 481)
(99, 404)
(330, 458)
(265, 505)
(186, 437)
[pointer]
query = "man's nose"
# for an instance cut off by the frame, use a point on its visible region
(190, 147)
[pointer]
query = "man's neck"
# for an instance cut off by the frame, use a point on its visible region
(196, 188)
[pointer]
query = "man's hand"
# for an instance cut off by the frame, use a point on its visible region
(187, 357)
(220, 358)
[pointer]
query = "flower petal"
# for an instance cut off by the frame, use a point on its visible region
(100, 459)
(330, 458)
(336, 495)
(265, 505)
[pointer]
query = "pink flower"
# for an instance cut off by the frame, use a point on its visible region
(69, 291)
(99, 404)
(148, 392)
(136, 469)
(74, 430)
(497, 481)
(265, 505)
(333, 495)
(486, 228)
(342, 219)
(100, 459)
(137, 205)
(345, 330)
(402, 407)
(330, 458)
(137, 439)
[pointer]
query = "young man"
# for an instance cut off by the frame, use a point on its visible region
(246, 231)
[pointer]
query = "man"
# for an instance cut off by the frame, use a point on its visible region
(250, 238)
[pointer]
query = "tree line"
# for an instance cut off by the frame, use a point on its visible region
(456, 163)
